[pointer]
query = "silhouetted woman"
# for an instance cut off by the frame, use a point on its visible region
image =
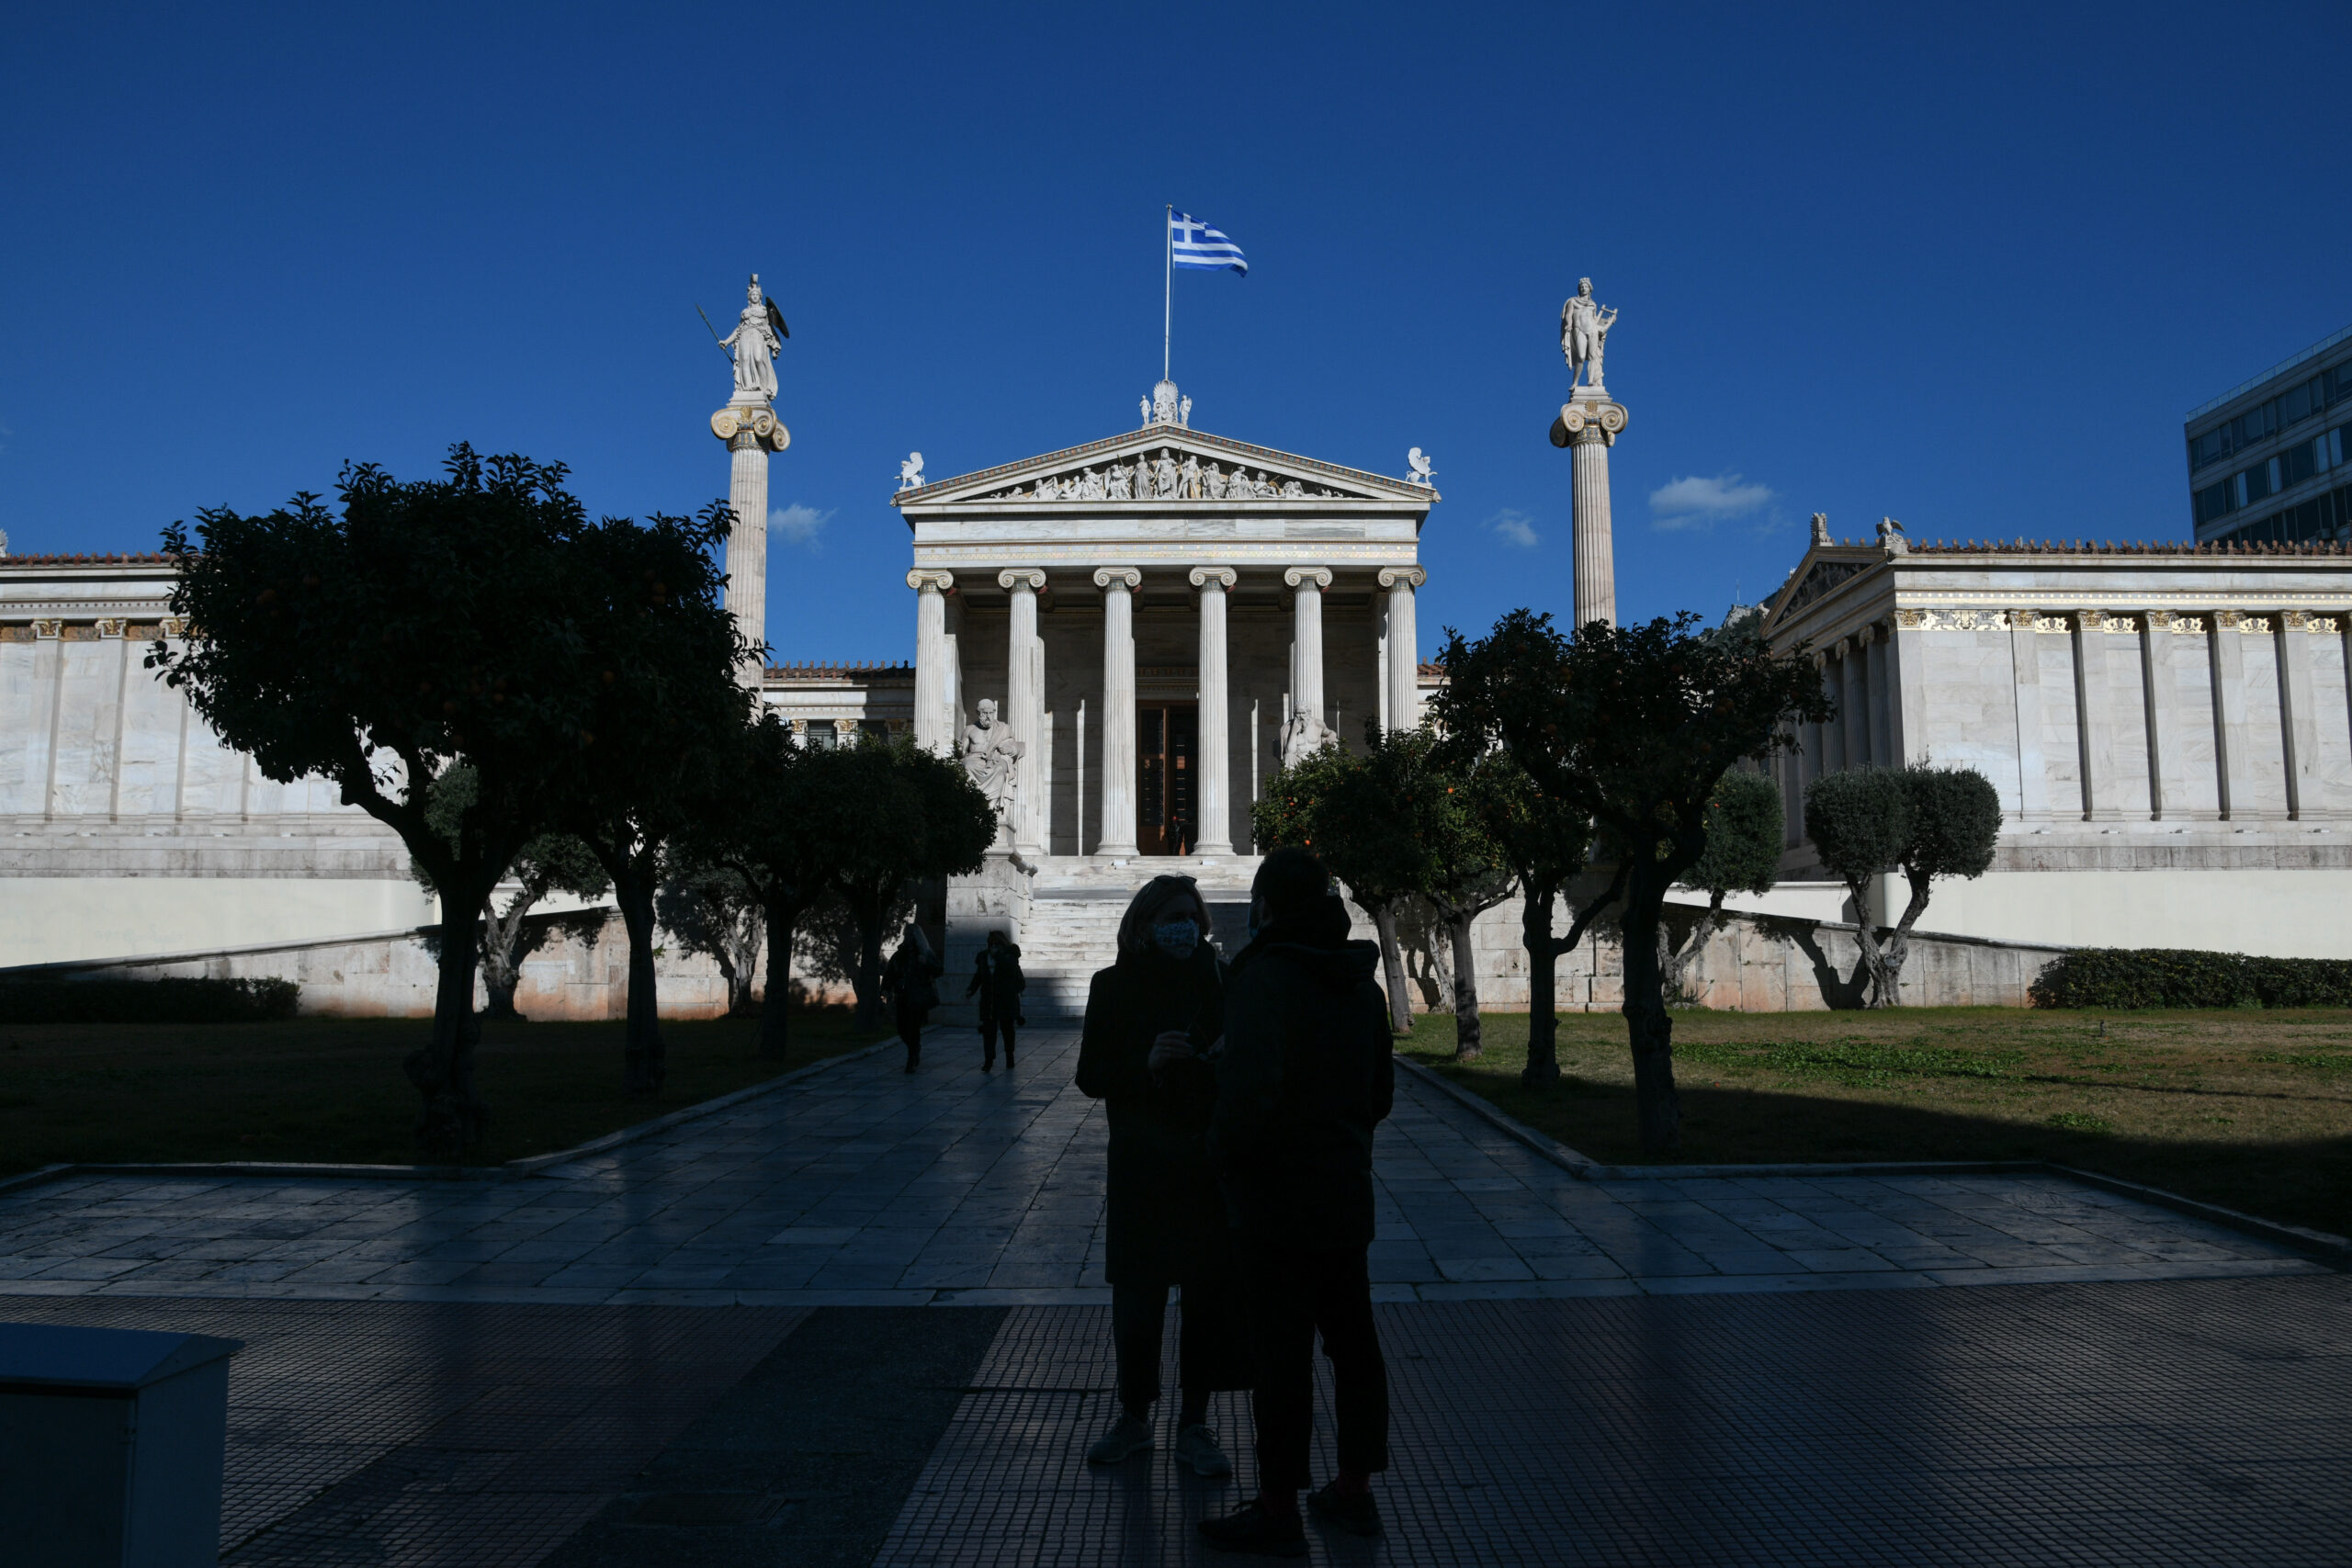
(1151, 1019)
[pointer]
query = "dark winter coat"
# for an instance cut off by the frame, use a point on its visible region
(1165, 1216)
(910, 977)
(997, 979)
(1306, 1073)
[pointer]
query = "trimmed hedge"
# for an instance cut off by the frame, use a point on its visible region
(2184, 977)
(147, 1001)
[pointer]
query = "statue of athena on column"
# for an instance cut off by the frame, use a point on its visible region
(757, 339)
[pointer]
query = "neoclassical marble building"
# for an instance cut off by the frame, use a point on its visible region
(1157, 618)
(2169, 726)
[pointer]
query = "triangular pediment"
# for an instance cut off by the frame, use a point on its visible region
(1824, 570)
(1165, 464)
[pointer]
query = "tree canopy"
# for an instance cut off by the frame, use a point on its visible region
(1634, 727)
(478, 617)
(1928, 823)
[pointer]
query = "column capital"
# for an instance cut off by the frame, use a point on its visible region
(1223, 576)
(1842, 646)
(1407, 576)
(1014, 578)
(2292, 620)
(2227, 620)
(1820, 662)
(2091, 620)
(1300, 576)
(746, 427)
(924, 579)
(2158, 620)
(1125, 577)
(1589, 420)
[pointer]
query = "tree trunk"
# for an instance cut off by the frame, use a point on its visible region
(1467, 1045)
(747, 938)
(1875, 956)
(1898, 943)
(1391, 969)
(643, 1067)
(1543, 1070)
(500, 972)
(450, 1123)
(776, 1008)
(1649, 1029)
(867, 979)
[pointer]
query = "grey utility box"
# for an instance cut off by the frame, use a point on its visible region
(111, 1442)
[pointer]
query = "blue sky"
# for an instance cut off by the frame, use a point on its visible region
(1969, 267)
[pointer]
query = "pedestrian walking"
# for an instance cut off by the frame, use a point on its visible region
(1151, 1019)
(1304, 1076)
(910, 979)
(998, 981)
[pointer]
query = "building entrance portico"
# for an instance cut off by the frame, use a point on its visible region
(1160, 619)
(1167, 812)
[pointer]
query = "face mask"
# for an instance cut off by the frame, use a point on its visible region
(1177, 938)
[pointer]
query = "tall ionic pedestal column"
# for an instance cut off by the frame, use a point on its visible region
(1589, 425)
(1025, 698)
(1215, 781)
(1118, 584)
(935, 726)
(1404, 646)
(752, 431)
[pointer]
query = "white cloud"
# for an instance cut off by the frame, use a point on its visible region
(1516, 527)
(1697, 503)
(797, 525)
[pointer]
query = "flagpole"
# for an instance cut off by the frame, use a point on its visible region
(1167, 299)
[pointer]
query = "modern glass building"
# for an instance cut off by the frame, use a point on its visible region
(2266, 458)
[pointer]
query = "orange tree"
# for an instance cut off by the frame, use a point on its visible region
(479, 619)
(1545, 844)
(1630, 727)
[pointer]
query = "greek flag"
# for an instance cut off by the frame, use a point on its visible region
(1199, 248)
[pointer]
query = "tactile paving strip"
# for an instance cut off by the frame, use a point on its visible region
(2205, 1422)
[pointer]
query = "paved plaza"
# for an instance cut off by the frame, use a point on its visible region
(862, 1186)
(860, 1320)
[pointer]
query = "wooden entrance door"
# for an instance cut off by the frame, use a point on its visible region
(1167, 743)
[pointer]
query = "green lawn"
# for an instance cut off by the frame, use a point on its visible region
(2252, 1109)
(331, 1089)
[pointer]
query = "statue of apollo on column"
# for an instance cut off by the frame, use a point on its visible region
(1584, 333)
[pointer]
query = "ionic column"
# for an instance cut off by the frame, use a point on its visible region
(1025, 698)
(935, 726)
(1828, 750)
(2160, 688)
(2297, 716)
(1907, 689)
(1853, 701)
(1884, 702)
(750, 433)
(2025, 676)
(2094, 721)
(2233, 726)
(1216, 768)
(1306, 585)
(1118, 584)
(1589, 426)
(1403, 646)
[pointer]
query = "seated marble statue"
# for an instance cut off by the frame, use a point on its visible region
(991, 757)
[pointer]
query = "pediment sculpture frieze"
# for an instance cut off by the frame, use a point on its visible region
(1171, 473)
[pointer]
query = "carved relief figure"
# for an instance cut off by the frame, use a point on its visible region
(1163, 475)
(1089, 486)
(1123, 482)
(992, 756)
(1293, 488)
(1188, 477)
(1213, 482)
(1584, 331)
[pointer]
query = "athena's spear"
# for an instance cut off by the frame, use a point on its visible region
(714, 334)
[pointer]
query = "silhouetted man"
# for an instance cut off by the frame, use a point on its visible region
(1304, 1076)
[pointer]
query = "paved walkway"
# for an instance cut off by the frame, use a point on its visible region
(861, 1186)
